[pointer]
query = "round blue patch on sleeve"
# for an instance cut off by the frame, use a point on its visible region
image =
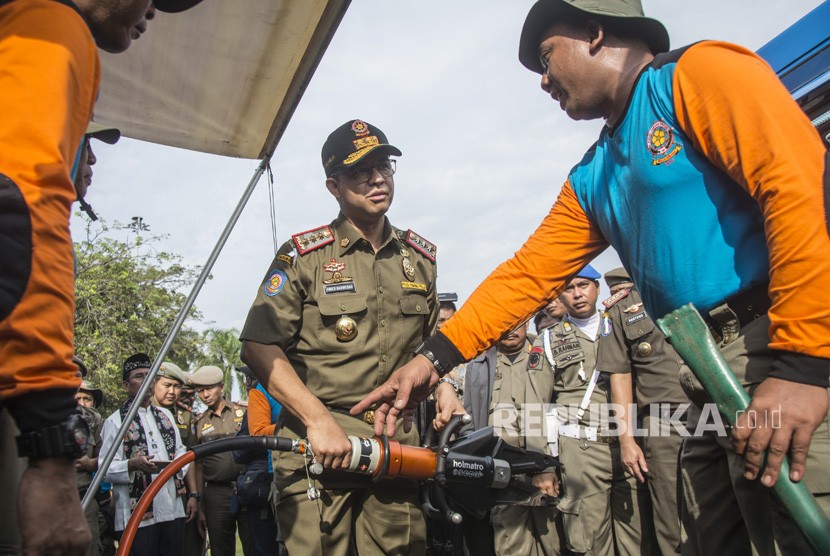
(275, 283)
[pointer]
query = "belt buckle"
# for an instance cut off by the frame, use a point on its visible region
(369, 417)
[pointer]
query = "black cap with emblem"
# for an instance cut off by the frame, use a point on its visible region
(135, 361)
(350, 142)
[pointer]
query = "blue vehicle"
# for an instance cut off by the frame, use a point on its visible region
(801, 57)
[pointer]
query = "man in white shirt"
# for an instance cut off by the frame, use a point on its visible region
(151, 441)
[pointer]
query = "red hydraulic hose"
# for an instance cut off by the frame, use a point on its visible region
(147, 498)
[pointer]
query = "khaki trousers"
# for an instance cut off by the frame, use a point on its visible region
(600, 504)
(525, 530)
(353, 514)
(379, 520)
(662, 453)
(222, 525)
(722, 512)
(91, 515)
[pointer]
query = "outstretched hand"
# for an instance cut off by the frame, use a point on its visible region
(781, 418)
(399, 395)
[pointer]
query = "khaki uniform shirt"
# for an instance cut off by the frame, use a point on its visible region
(630, 341)
(572, 360)
(94, 422)
(324, 282)
(540, 394)
(185, 423)
(216, 426)
(509, 387)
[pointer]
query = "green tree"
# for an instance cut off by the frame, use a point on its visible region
(221, 347)
(127, 296)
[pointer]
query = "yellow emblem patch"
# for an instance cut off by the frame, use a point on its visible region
(366, 142)
(357, 155)
(413, 286)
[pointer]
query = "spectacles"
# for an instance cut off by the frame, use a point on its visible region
(362, 174)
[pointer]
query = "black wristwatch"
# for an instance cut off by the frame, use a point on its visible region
(439, 366)
(69, 438)
(196, 495)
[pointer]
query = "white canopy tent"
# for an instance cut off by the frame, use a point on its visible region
(222, 78)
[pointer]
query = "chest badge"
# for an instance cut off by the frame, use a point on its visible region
(644, 349)
(345, 329)
(336, 270)
(661, 143)
(408, 267)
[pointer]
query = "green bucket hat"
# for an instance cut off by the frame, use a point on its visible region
(625, 15)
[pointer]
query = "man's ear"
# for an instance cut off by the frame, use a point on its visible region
(595, 35)
(331, 185)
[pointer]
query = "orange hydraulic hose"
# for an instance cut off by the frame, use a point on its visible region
(147, 498)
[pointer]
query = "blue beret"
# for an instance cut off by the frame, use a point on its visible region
(588, 272)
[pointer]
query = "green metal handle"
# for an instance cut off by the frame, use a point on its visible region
(691, 339)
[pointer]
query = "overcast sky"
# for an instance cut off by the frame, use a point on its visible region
(485, 151)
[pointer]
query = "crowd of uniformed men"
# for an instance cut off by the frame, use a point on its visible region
(616, 493)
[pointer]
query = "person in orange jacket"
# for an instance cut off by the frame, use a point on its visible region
(48, 88)
(711, 184)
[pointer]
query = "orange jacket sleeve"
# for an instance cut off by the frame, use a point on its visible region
(740, 116)
(48, 84)
(563, 243)
(259, 415)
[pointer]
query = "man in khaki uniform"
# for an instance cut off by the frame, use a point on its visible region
(634, 351)
(340, 308)
(599, 503)
(89, 400)
(499, 395)
(218, 472)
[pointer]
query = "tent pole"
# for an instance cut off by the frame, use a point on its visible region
(177, 324)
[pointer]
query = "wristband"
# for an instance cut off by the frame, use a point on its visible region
(451, 382)
(441, 353)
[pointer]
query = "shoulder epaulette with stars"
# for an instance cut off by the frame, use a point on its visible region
(421, 245)
(307, 242)
(614, 298)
